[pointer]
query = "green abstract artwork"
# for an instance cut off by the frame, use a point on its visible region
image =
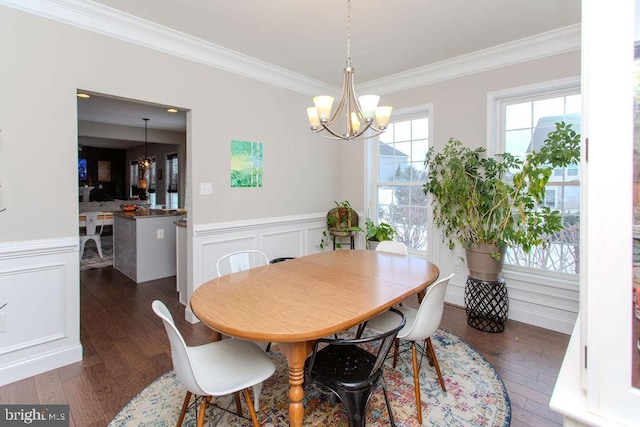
(246, 164)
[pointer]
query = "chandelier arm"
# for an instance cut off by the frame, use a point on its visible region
(335, 136)
(332, 135)
(378, 130)
(325, 127)
(354, 101)
(367, 126)
(345, 84)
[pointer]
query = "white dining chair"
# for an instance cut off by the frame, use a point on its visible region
(94, 224)
(240, 260)
(421, 324)
(393, 247)
(215, 369)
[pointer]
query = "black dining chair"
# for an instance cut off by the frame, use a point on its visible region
(352, 369)
(276, 260)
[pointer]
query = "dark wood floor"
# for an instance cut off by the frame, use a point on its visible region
(125, 348)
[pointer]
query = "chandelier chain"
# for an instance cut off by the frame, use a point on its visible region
(349, 33)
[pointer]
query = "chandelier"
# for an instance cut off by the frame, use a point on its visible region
(358, 115)
(144, 162)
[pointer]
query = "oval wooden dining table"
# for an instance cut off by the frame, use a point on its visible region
(293, 303)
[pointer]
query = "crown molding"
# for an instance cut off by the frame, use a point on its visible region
(539, 46)
(113, 23)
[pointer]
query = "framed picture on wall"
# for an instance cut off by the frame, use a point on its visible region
(104, 170)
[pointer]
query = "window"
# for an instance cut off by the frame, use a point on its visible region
(172, 181)
(133, 174)
(152, 182)
(524, 121)
(398, 176)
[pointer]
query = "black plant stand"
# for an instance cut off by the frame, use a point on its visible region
(487, 304)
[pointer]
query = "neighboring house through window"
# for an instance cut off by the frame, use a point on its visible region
(398, 175)
(522, 120)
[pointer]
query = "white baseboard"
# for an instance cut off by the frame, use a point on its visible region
(543, 311)
(42, 363)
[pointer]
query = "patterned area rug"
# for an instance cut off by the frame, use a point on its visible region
(91, 259)
(475, 396)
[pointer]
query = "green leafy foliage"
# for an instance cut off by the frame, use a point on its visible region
(496, 200)
(380, 232)
(339, 218)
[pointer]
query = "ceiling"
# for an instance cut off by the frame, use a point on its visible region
(310, 38)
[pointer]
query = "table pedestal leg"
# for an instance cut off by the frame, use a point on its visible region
(296, 355)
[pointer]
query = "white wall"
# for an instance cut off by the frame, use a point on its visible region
(45, 62)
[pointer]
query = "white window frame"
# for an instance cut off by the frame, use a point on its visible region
(495, 145)
(399, 115)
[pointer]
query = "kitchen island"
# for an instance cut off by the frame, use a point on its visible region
(144, 243)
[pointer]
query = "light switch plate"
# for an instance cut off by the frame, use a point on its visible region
(206, 189)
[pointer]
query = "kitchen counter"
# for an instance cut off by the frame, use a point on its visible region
(148, 213)
(144, 243)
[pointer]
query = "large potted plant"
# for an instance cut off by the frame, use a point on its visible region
(378, 233)
(490, 203)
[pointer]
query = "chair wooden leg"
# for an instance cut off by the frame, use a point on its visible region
(238, 404)
(396, 349)
(252, 410)
(202, 412)
(183, 412)
(416, 380)
(435, 364)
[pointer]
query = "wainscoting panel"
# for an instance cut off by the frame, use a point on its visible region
(292, 236)
(212, 250)
(40, 307)
(17, 289)
(285, 243)
(549, 302)
(546, 302)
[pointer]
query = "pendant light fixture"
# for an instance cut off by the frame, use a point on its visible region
(358, 115)
(144, 163)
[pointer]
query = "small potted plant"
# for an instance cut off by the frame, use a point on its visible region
(378, 233)
(342, 221)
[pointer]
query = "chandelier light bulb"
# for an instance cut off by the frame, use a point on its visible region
(368, 105)
(314, 121)
(323, 107)
(355, 123)
(383, 115)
